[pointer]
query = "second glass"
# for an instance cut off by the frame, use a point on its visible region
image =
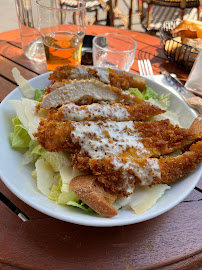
(62, 28)
(112, 50)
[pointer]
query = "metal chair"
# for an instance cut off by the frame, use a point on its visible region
(181, 4)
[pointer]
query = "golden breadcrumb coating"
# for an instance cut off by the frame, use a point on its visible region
(121, 80)
(118, 179)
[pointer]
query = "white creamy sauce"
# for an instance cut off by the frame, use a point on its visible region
(103, 75)
(91, 112)
(101, 139)
(146, 172)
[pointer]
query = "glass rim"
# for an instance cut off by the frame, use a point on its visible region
(62, 9)
(115, 51)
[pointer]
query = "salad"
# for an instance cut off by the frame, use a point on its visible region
(53, 170)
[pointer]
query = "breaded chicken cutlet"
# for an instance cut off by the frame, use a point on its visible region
(107, 138)
(120, 80)
(120, 175)
(84, 92)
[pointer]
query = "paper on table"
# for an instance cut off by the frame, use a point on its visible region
(195, 79)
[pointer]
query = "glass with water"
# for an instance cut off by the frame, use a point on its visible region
(114, 51)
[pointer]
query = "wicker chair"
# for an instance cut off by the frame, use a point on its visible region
(182, 4)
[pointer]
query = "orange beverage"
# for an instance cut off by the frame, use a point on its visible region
(62, 48)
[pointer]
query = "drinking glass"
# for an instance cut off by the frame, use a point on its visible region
(114, 51)
(32, 44)
(62, 28)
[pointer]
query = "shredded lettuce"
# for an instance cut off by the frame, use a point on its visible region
(136, 92)
(67, 196)
(163, 101)
(81, 205)
(145, 95)
(19, 137)
(109, 69)
(55, 191)
(38, 94)
(149, 93)
(24, 85)
(29, 155)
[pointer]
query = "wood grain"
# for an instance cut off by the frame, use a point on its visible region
(16, 55)
(149, 245)
(5, 87)
(29, 211)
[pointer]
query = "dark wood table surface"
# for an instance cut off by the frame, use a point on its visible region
(170, 241)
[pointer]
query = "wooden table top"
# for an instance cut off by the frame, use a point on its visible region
(170, 241)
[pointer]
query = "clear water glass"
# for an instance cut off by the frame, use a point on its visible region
(32, 44)
(114, 51)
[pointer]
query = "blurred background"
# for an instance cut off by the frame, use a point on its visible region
(8, 18)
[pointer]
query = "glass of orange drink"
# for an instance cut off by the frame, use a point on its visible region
(62, 28)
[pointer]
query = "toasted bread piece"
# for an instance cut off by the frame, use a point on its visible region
(197, 42)
(199, 31)
(93, 194)
(174, 46)
(187, 33)
(196, 126)
(187, 28)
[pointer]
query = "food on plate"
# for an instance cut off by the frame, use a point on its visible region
(94, 148)
(107, 138)
(98, 140)
(121, 80)
(90, 191)
(124, 173)
(85, 92)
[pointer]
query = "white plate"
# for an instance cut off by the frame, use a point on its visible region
(18, 178)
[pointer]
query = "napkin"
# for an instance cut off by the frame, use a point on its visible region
(194, 80)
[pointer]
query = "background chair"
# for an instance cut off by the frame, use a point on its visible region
(181, 4)
(94, 6)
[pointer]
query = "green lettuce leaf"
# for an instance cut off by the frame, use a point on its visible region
(19, 137)
(136, 92)
(30, 155)
(37, 94)
(55, 191)
(81, 205)
(67, 196)
(163, 101)
(149, 93)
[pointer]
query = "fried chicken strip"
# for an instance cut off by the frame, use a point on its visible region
(119, 175)
(96, 111)
(85, 92)
(120, 80)
(108, 138)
